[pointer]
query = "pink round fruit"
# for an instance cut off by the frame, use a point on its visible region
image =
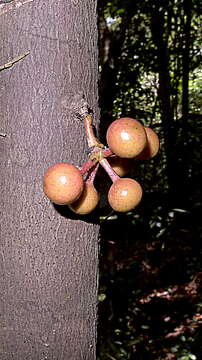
(152, 146)
(124, 194)
(63, 183)
(87, 202)
(126, 137)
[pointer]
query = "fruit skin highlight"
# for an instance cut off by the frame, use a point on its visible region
(152, 146)
(87, 202)
(63, 183)
(124, 194)
(126, 137)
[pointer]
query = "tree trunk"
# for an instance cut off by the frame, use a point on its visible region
(164, 91)
(48, 277)
(186, 58)
(111, 46)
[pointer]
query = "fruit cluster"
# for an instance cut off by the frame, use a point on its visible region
(127, 138)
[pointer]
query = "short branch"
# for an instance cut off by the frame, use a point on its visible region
(13, 61)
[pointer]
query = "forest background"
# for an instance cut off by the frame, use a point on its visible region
(150, 291)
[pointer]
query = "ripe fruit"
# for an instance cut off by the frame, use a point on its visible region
(152, 147)
(120, 165)
(63, 183)
(87, 202)
(124, 194)
(126, 137)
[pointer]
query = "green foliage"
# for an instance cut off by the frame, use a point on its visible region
(150, 278)
(195, 86)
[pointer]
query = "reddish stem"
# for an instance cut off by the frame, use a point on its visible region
(112, 174)
(87, 166)
(90, 163)
(107, 153)
(92, 175)
(91, 139)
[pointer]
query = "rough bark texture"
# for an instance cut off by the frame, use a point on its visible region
(48, 262)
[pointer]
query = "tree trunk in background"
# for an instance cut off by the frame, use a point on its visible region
(48, 277)
(110, 46)
(164, 91)
(186, 60)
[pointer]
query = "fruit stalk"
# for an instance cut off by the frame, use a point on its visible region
(91, 139)
(92, 175)
(112, 174)
(92, 162)
(87, 166)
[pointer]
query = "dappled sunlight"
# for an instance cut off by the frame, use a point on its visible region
(150, 293)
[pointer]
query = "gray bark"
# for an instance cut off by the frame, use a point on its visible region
(48, 262)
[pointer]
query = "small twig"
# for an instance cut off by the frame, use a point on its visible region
(13, 61)
(11, 5)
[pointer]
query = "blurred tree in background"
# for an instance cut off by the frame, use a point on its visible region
(151, 276)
